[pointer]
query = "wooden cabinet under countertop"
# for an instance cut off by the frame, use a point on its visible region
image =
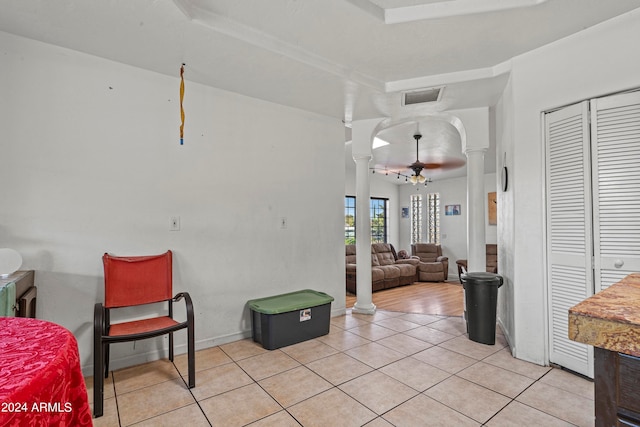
(610, 321)
(617, 388)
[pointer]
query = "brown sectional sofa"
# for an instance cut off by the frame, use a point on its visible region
(387, 271)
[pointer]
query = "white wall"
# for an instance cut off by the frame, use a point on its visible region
(91, 163)
(506, 222)
(598, 61)
(453, 227)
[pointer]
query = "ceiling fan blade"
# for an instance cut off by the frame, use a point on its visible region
(450, 163)
(445, 163)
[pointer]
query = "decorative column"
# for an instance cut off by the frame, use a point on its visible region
(364, 302)
(362, 133)
(476, 239)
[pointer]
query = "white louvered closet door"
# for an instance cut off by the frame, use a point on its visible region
(615, 125)
(569, 230)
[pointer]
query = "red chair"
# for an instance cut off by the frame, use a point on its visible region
(135, 281)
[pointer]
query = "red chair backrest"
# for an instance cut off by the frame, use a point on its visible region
(137, 280)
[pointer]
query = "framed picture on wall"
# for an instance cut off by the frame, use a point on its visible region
(405, 212)
(492, 206)
(452, 210)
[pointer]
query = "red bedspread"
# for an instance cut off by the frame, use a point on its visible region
(41, 383)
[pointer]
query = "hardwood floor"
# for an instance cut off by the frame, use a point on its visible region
(421, 297)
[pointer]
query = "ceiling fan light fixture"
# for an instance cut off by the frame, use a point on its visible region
(415, 179)
(417, 167)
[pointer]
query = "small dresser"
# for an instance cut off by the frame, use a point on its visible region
(26, 292)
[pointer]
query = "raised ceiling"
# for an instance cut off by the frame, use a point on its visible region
(334, 57)
(348, 59)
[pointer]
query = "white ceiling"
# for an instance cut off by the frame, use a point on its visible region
(348, 59)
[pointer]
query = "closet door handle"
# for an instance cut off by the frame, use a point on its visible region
(618, 263)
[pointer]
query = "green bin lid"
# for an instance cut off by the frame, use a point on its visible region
(290, 302)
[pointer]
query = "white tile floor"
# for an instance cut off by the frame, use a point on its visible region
(390, 369)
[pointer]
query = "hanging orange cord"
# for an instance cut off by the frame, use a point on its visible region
(181, 107)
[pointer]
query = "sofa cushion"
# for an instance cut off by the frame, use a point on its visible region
(390, 271)
(426, 276)
(377, 275)
(383, 253)
(431, 267)
(350, 251)
(427, 252)
(406, 270)
(411, 261)
(374, 258)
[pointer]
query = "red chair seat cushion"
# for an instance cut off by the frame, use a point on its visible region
(141, 326)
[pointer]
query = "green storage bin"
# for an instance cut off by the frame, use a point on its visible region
(286, 319)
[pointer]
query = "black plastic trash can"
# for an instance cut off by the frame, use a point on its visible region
(481, 299)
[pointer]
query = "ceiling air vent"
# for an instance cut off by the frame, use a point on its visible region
(421, 96)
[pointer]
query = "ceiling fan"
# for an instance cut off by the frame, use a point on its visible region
(437, 161)
(417, 166)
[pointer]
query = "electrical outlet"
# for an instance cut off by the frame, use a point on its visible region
(174, 224)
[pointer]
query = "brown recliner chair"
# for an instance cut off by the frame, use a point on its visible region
(433, 266)
(492, 261)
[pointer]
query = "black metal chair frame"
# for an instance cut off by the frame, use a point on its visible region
(102, 340)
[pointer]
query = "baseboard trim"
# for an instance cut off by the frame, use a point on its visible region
(507, 336)
(150, 356)
(140, 358)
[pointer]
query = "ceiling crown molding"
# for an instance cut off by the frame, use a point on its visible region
(252, 36)
(448, 78)
(441, 9)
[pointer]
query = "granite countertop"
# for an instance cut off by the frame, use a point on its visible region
(610, 319)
